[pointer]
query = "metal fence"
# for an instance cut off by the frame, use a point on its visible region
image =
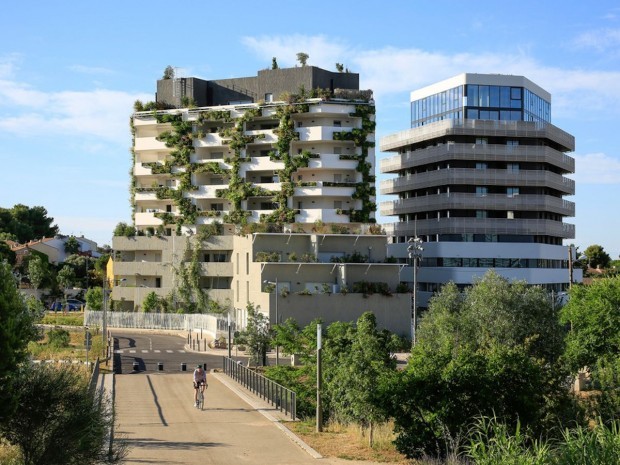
(277, 395)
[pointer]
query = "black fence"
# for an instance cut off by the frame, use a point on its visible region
(277, 395)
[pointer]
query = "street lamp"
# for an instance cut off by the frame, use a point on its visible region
(414, 249)
(277, 346)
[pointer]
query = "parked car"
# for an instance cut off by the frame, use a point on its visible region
(71, 305)
(75, 305)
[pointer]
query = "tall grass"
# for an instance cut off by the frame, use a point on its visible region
(491, 443)
(596, 446)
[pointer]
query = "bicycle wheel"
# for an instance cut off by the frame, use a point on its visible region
(201, 400)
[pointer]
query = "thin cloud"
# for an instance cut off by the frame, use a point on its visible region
(390, 70)
(600, 40)
(596, 168)
(90, 69)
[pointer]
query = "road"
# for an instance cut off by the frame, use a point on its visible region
(149, 349)
(156, 416)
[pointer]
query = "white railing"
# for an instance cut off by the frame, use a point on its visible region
(140, 320)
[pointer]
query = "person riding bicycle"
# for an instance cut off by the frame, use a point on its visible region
(200, 381)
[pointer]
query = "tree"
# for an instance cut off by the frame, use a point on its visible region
(123, 229)
(302, 58)
(151, 303)
(37, 271)
(256, 335)
(359, 371)
(168, 72)
(66, 277)
(59, 421)
(274, 63)
(16, 330)
(493, 350)
(94, 298)
(72, 246)
(26, 224)
(340, 67)
(597, 257)
(6, 253)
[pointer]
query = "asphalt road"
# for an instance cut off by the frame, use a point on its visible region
(150, 349)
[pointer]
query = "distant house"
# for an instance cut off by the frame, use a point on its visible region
(54, 248)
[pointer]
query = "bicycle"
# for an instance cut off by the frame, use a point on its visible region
(201, 396)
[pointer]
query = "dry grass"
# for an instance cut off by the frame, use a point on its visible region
(41, 350)
(350, 442)
(9, 455)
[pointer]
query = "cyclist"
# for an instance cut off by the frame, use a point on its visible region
(200, 382)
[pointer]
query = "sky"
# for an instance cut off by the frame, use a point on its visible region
(70, 72)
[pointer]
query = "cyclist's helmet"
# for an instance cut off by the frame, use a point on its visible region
(198, 366)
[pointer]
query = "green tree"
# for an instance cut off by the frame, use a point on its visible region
(151, 303)
(66, 277)
(37, 271)
(302, 58)
(593, 314)
(16, 330)
(597, 257)
(340, 67)
(59, 421)
(256, 335)
(493, 350)
(168, 72)
(26, 223)
(361, 373)
(274, 63)
(72, 246)
(123, 229)
(6, 253)
(94, 298)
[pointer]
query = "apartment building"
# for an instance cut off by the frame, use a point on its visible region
(481, 178)
(284, 159)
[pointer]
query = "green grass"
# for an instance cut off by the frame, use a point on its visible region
(75, 319)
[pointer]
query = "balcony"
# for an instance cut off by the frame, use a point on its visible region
(331, 161)
(205, 192)
(147, 219)
(325, 215)
(465, 201)
(210, 139)
(338, 109)
(326, 189)
(319, 133)
(484, 226)
(469, 176)
(220, 269)
(446, 128)
(478, 152)
(149, 143)
(266, 136)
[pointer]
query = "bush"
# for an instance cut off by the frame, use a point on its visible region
(58, 338)
(302, 380)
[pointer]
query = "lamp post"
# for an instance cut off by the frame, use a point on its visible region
(276, 288)
(104, 324)
(414, 249)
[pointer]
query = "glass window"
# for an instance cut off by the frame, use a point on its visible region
(494, 96)
(481, 213)
(512, 191)
(472, 96)
(472, 114)
(483, 92)
(482, 140)
(515, 93)
(481, 191)
(515, 115)
(481, 166)
(504, 115)
(493, 115)
(513, 167)
(484, 114)
(504, 97)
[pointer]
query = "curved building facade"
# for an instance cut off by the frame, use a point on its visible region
(481, 178)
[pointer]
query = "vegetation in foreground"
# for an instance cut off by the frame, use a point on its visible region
(491, 373)
(48, 416)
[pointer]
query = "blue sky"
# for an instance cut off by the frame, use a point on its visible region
(70, 72)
